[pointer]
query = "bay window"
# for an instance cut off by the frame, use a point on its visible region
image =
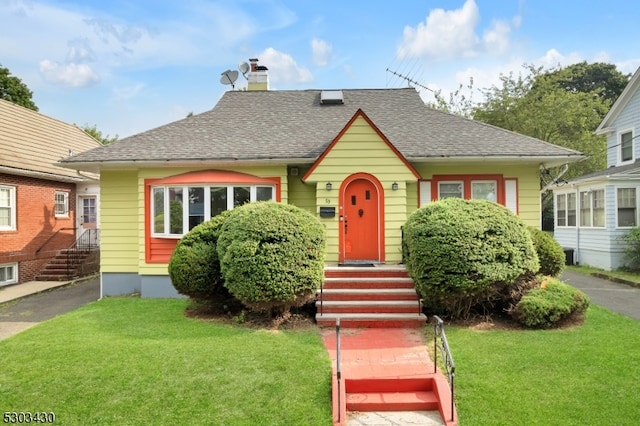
(177, 209)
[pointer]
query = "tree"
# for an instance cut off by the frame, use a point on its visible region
(538, 105)
(603, 79)
(458, 103)
(14, 90)
(97, 135)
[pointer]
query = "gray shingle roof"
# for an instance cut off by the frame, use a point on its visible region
(284, 125)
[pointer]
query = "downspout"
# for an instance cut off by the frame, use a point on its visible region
(577, 253)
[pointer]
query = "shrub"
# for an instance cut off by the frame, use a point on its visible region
(462, 253)
(194, 267)
(632, 249)
(549, 305)
(272, 255)
(550, 253)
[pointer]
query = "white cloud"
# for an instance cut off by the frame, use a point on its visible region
(448, 34)
(553, 59)
(283, 68)
(72, 75)
(321, 51)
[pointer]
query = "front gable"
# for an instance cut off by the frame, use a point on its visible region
(360, 147)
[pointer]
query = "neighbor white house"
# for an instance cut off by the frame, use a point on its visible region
(593, 212)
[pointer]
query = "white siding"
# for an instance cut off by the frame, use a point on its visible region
(628, 119)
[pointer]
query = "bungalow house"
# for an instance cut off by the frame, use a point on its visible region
(44, 208)
(361, 160)
(594, 211)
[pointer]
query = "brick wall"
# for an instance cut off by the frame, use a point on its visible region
(39, 233)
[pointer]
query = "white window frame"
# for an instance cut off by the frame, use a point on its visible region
(587, 208)
(620, 147)
(635, 192)
(449, 182)
(14, 279)
(566, 216)
(494, 199)
(253, 189)
(11, 207)
(64, 198)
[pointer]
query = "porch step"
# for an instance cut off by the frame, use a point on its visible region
(390, 394)
(368, 297)
(367, 282)
(367, 306)
(370, 320)
(369, 294)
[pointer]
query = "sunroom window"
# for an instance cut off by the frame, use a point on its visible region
(202, 203)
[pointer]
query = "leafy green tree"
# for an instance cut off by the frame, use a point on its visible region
(601, 78)
(97, 135)
(14, 90)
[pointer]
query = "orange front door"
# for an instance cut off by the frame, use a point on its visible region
(360, 221)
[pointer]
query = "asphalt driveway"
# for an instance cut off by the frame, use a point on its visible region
(620, 298)
(30, 310)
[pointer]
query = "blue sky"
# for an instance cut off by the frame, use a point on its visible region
(131, 65)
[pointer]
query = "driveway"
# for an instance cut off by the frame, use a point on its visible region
(616, 297)
(28, 311)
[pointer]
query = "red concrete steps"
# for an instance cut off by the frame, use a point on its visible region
(390, 394)
(364, 297)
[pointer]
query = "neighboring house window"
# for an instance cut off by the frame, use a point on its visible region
(585, 208)
(450, 190)
(7, 208)
(177, 209)
(626, 207)
(592, 208)
(61, 208)
(566, 210)
(8, 274)
(626, 147)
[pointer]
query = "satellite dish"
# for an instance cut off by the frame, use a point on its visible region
(244, 68)
(229, 77)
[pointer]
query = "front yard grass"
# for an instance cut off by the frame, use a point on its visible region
(584, 375)
(131, 361)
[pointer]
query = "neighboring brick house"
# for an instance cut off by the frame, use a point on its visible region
(38, 199)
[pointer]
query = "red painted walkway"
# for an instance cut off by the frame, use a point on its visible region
(390, 361)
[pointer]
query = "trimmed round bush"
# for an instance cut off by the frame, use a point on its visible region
(550, 304)
(550, 253)
(194, 267)
(272, 255)
(463, 253)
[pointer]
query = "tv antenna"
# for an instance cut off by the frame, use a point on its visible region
(410, 80)
(229, 77)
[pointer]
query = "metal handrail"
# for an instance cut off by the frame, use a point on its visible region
(447, 358)
(51, 236)
(338, 371)
(87, 242)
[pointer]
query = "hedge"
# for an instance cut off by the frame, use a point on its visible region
(272, 255)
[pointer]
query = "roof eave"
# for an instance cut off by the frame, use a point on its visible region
(547, 161)
(96, 166)
(44, 175)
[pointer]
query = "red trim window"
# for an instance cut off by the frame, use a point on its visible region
(175, 205)
(469, 187)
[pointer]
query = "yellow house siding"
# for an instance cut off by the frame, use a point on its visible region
(527, 175)
(119, 222)
(301, 194)
(362, 150)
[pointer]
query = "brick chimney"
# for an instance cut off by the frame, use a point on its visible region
(258, 78)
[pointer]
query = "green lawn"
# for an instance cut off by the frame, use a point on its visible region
(131, 361)
(586, 375)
